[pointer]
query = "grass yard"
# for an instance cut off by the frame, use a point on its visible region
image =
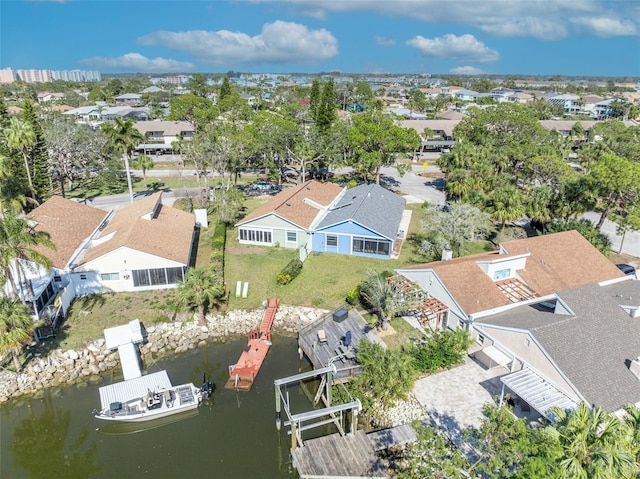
(400, 333)
(89, 315)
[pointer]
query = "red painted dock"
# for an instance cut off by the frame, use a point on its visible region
(243, 373)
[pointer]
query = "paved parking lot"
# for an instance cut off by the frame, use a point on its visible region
(454, 398)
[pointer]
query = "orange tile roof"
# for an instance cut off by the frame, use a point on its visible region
(68, 223)
(168, 235)
(290, 205)
(556, 262)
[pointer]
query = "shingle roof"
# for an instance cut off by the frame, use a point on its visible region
(167, 235)
(68, 223)
(593, 347)
(290, 204)
(370, 206)
(169, 128)
(561, 261)
(557, 261)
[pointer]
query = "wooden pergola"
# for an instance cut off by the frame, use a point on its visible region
(430, 311)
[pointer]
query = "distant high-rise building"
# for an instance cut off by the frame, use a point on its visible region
(8, 75)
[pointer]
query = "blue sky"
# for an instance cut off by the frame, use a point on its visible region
(546, 37)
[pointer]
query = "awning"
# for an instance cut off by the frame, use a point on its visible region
(539, 393)
(496, 355)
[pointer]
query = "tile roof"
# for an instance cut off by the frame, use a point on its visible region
(68, 223)
(557, 261)
(168, 234)
(291, 206)
(371, 206)
(594, 346)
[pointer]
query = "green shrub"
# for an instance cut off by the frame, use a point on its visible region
(441, 350)
(353, 296)
(289, 272)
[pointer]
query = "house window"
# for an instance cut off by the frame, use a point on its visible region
(480, 339)
(501, 274)
(110, 276)
(57, 278)
(332, 240)
(371, 246)
(292, 237)
(460, 324)
(255, 236)
(83, 277)
(157, 276)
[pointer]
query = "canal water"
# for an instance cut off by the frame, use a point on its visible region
(232, 436)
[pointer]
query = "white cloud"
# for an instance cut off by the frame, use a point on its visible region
(278, 42)
(544, 19)
(467, 70)
(384, 42)
(463, 48)
(605, 26)
(138, 63)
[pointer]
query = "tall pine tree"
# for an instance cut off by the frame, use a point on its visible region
(326, 112)
(314, 98)
(225, 89)
(38, 157)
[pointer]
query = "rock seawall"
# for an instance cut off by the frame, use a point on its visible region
(67, 367)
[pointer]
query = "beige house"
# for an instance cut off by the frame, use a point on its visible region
(146, 245)
(165, 131)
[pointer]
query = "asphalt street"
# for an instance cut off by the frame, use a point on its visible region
(415, 188)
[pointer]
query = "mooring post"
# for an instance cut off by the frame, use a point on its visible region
(329, 383)
(293, 435)
(278, 421)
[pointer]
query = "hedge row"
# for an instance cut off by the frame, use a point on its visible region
(217, 248)
(289, 272)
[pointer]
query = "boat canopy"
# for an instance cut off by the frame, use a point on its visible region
(133, 388)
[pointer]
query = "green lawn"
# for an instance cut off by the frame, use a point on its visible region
(324, 281)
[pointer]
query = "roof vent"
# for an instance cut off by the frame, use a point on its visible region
(288, 204)
(634, 367)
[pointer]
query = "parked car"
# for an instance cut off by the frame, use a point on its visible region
(262, 188)
(627, 269)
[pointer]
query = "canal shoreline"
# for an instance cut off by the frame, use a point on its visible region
(60, 368)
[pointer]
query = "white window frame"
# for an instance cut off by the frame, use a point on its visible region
(295, 239)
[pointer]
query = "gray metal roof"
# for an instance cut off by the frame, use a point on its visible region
(592, 347)
(371, 206)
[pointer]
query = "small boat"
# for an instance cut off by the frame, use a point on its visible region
(155, 404)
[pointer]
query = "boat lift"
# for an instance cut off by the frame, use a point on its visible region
(327, 415)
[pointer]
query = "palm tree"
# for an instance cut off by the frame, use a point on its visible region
(21, 137)
(16, 329)
(201, 289)
(380, 295)
(594, 444)
(144, 163)
(19, 244)
(123, 137)
(506, 204)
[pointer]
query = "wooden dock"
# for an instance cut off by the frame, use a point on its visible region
(338, 456)
(322, 341)
(394, 436)
(243, 373)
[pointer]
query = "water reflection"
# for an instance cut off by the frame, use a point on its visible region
(44, 447)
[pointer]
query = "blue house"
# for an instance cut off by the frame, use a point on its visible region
(363, 221)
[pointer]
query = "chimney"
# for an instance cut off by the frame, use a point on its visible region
(447, 254)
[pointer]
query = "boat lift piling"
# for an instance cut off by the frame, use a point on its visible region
(329, 414)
